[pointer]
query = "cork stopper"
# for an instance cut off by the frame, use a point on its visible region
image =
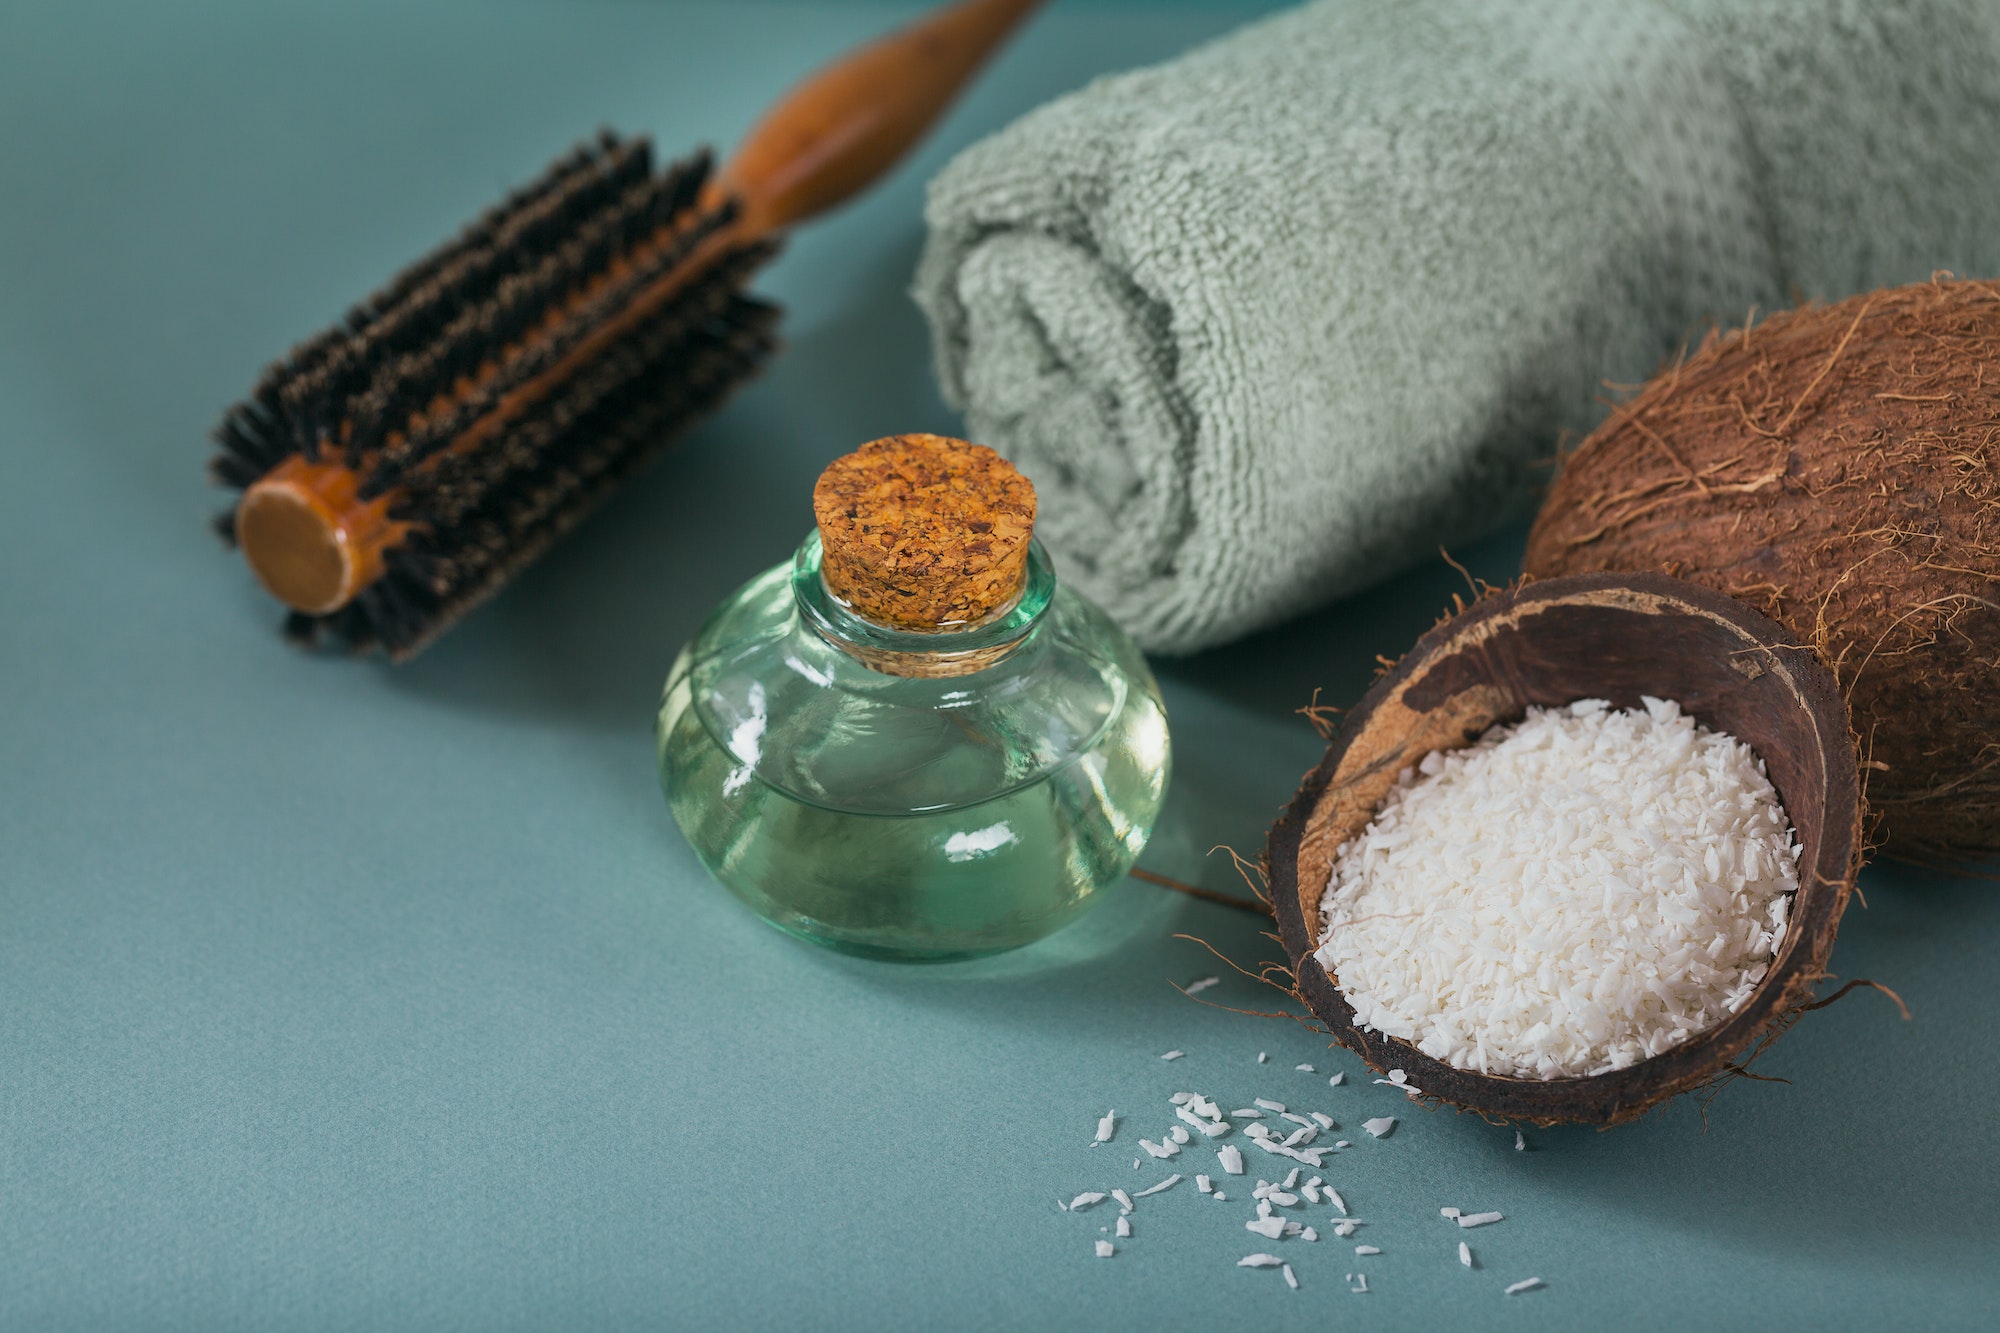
(923, 533)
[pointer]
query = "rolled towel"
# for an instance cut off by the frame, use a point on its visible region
(1274, 320)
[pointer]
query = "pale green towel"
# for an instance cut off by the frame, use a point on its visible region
(1274, 320)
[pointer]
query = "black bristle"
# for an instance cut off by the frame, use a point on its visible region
(384, 390)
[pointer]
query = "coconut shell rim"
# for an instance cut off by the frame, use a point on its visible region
(1706, 1059)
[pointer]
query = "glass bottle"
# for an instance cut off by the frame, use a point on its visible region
(924, 787)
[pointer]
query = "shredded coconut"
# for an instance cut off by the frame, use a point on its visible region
(1526, 1284)
(1105, 1249)
(1465, 1254)
(1569, 895)
(1379, 1126)
(1173, 1055)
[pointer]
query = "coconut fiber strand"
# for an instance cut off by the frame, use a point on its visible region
(1274, 320)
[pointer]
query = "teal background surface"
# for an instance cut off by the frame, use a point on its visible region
(336, 996)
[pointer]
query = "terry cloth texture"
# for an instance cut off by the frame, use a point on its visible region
(1272, 321)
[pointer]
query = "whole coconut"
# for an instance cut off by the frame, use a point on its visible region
(1837, 467)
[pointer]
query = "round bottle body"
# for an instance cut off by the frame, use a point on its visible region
(911, 816)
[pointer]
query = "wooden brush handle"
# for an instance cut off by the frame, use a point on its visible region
(842, 128)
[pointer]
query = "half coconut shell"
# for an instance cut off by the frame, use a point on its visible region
(1590, 636)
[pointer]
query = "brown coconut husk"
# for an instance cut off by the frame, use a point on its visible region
(1838, 468)
(1606, 636)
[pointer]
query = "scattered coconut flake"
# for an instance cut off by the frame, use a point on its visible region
(1268, 1227)
(1135, 1164)
(1292, 1180)
(1124, 1199)
(1124, 1228)
(1366, 1249)
(1166, 1184)
(1178, 1133)
(1231, 1158)
(1300, 1137)
(1525, 1284)
(1259, 1261)
(1212, 1128)
(1380, 1125)
(1343, 1229)
(1248, 1113)
(1311, 1191)
(1220, 1196)
(1181, 1098)
(1409, 1089)
(1451, 1213)
(1293, 1229)
(1342, 1143)
(1520, 1142)
(1291, 1279)
(1305, 1069)
(1160, 1149)
(1360, 1287)
(1173, 1055)
(1308, 1234)
(1083, 1201)
(1325, 1121)
(1204, 1184)
(1257, 1131)
(1337, 1079)
(1333, 1197)
(1295, 1118)
(1105, 1249)
(1263, 1058)
(1477, 1219)
(1269, 1105)
(1197, 987)
(1105, 1126)
(1465, 1254)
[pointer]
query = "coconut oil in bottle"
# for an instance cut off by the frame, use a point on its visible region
(910, 741)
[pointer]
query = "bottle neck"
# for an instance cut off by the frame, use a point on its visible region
(952, 650)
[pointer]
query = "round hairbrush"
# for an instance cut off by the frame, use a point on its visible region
(398, 468)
